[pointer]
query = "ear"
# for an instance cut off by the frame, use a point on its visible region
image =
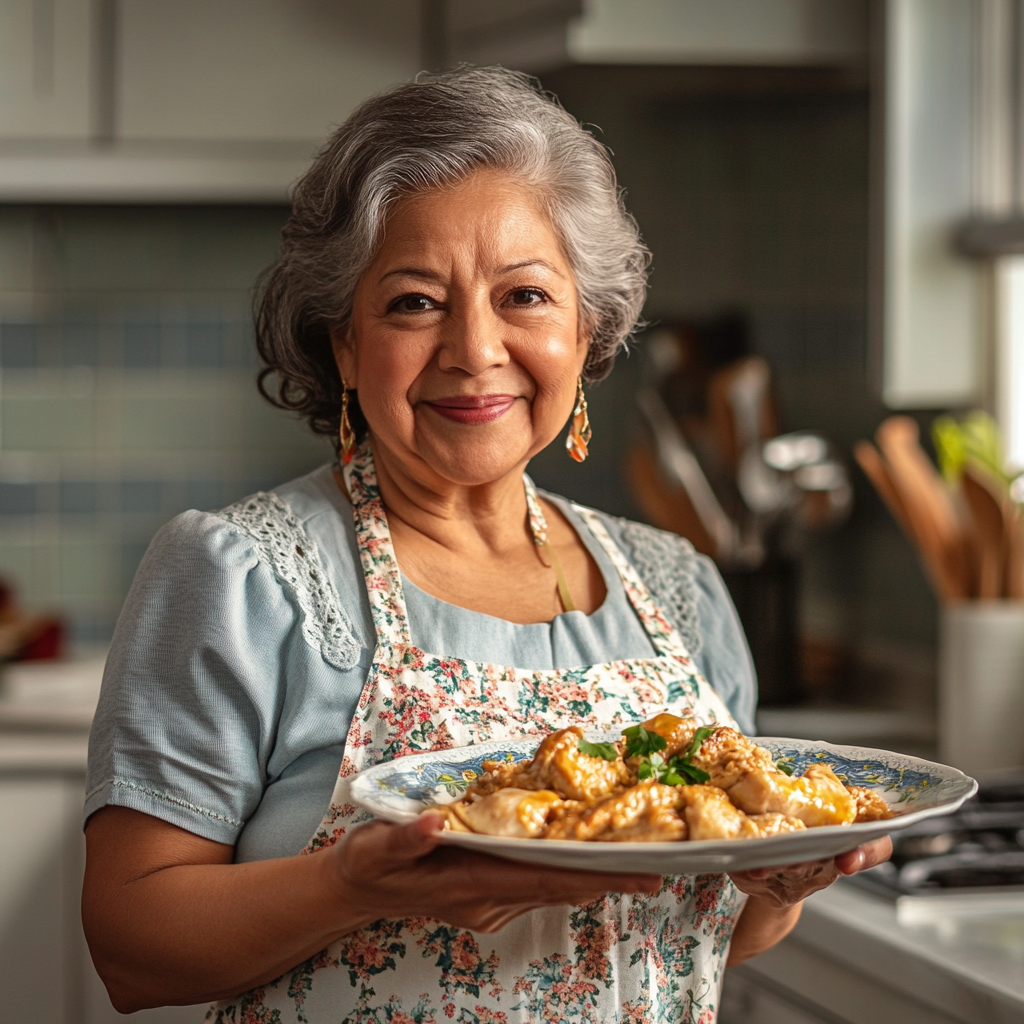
(343, 346)
(582, 349)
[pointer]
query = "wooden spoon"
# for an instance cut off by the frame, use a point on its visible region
(988, 518)
(877, 472)
(929, 506)
(1014, 553)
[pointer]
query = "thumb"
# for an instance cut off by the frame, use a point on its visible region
(415, 840)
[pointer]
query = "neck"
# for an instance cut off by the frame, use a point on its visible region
(463, 519)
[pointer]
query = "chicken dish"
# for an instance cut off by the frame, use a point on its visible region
(667, 779)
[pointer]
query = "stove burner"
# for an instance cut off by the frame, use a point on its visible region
(981, 846)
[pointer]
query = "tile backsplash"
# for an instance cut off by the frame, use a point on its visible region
(127, 391)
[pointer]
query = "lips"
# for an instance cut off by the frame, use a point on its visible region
(472, 409)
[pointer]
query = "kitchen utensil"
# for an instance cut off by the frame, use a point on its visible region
(399, 790)
(666, 503)
(928, 504)
(878, 472)
(989, 529)
(679, 464)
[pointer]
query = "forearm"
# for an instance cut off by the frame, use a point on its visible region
(190, 933)
(762, 924)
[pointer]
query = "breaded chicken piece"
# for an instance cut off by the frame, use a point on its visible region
(560, 766)
(817, 797)
(710, 814)
(869, 804)
(645, 813)
(519, 813)
(727, 756)
(675, 731)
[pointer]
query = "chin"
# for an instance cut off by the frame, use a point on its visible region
(471, 462)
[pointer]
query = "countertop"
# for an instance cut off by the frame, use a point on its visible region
(961, 967)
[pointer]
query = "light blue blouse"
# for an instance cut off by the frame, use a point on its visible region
(226, 702)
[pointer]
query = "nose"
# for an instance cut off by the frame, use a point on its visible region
(473, 337)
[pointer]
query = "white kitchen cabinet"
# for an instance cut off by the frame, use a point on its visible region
(256, 70)
(46, 974)
(39, 868)
(47, 61)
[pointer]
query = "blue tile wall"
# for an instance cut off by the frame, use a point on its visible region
(127, 301)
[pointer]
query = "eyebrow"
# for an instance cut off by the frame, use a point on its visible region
(432, 275)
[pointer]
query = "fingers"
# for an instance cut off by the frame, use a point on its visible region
(864, 857)
(388, 844)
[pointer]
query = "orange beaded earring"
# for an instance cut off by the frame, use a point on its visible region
(348, 435)
(579, 432)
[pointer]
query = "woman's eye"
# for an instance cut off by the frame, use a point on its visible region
(411, 304)
(527, 297)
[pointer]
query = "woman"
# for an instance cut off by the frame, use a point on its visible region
(458, 262)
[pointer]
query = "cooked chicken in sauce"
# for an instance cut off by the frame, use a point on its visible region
(665, 781)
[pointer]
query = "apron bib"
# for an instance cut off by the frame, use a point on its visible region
(628, 959)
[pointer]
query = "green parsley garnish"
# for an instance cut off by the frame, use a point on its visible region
(698, 741)
(784, 767)
(677, 771)
(605, 750)
(641, 743)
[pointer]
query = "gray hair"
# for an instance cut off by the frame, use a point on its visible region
(423, 135)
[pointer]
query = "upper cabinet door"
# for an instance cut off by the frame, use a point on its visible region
(256, 70)
(47, 86)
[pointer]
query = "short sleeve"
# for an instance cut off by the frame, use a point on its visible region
(195, 682)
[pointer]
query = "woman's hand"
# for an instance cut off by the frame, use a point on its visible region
(403, 871)
(171, 919)
(775, 895)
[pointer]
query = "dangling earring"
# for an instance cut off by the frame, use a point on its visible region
(579, 432)
(348, 435)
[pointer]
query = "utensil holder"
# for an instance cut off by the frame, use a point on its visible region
(981, 685)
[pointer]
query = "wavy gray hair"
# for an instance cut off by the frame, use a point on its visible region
(422, 135)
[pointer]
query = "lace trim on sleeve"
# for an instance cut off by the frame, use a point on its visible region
(283, 544)
(668, 566)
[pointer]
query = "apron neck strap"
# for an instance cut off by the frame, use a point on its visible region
(376, 552)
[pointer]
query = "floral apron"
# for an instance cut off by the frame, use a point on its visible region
(620, 959)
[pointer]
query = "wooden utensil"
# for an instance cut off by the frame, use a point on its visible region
(929, 506)
(1015, 553)
(989, 530)
(876, 470)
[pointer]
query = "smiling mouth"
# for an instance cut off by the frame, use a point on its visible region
(472, 409)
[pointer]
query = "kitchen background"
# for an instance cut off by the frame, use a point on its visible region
(798, 168)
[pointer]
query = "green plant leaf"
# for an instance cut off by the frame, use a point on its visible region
(605, 750)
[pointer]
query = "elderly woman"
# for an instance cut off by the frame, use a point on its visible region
(457, 264)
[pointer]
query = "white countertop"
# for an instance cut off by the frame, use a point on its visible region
(964, 967)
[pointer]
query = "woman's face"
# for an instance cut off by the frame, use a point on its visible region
(465, 342)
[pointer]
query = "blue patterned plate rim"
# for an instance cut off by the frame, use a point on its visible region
(384, 789)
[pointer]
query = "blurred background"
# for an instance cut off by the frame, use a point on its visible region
(831, 192)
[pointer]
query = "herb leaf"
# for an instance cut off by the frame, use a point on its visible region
(698, 739)
(784, 767)
(605, 750)
(694, 776)
(641, 743)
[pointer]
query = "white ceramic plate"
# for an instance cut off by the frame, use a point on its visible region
(398, 790)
